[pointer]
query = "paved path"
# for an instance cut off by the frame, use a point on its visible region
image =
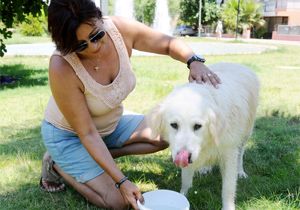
(30, 49)
(204, 48)
(219, 48)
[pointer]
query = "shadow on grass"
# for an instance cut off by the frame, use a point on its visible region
(271, 161)
(24, 142)
(29, 196)
(13, 76)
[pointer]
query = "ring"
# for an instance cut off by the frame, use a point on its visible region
(209, 74)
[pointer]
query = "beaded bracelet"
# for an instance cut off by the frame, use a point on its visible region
(118, 184)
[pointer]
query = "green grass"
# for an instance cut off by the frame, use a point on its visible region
(18, 38)
(272, 158)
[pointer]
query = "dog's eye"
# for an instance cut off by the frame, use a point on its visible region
(174, 125)
(197, 127)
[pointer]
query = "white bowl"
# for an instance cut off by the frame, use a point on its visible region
(164, 200)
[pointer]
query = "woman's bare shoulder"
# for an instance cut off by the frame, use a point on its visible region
(59, 67)
(58, 63)
(124, 25)
(61, 71)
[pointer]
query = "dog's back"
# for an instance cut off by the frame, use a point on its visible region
(237, 95)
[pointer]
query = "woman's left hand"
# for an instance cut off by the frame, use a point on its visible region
(200, 73)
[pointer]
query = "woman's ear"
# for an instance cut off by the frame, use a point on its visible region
(155, 121)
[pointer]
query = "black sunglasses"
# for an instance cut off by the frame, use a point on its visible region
(93, 39)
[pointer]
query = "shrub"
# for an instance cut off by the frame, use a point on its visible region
(33, 26)
(259, 32)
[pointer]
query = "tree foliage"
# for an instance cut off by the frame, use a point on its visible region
(250, 14)
(189, 12)
(16, 10)
(174, 9)
(34, 26)
(210, 12)
(144, 11)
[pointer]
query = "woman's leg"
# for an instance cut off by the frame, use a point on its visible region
(100, 191)
(140, 142)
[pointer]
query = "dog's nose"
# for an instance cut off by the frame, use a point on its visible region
(190, 158)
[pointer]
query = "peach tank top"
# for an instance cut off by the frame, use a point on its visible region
(104, 101)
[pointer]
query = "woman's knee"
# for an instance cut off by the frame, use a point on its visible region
(117, 204)
(106, 192)
(114, 200)
(108, 201)
(161, 144)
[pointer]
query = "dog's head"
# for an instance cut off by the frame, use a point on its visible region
(187, 119)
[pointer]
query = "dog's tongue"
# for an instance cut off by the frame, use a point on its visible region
(182, 159)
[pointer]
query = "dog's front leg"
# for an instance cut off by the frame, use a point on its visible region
(187, 175)
(241, 171)
(229, 178)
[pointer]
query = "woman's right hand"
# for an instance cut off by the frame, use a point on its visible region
(131, 194)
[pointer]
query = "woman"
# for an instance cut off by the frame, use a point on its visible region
(219, 29)
(90, 75)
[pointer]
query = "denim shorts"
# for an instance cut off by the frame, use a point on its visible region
(71, 156)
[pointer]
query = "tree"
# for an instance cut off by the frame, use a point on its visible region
(14, 11)
(174, 9)
(250, 14)
(210, 12)
(144, 11)
(189, 12)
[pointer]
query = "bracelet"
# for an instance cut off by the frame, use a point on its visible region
(195, 58)
(118, 184)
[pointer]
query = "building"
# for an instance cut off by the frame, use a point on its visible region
(282, 19)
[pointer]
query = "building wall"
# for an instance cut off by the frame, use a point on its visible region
(293, 16)
(277, 36)
(280, 7)
(281, 12)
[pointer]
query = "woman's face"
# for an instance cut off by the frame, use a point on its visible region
(91, 39)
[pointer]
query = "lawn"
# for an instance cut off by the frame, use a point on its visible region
(272, 157)
(18, 38)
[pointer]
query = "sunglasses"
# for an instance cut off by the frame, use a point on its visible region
(93, 39)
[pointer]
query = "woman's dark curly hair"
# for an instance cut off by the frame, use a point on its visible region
(65, 16)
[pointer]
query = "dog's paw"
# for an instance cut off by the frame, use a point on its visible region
(233, 208)
(228, 206)
(242, 175)
(205, 170)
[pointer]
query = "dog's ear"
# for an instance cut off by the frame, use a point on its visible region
(216, 125)
(154, 120)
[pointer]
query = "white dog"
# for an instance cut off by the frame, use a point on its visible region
(205, 126)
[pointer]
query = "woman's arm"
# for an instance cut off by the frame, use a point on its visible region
(141, 37)
(67, 91)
